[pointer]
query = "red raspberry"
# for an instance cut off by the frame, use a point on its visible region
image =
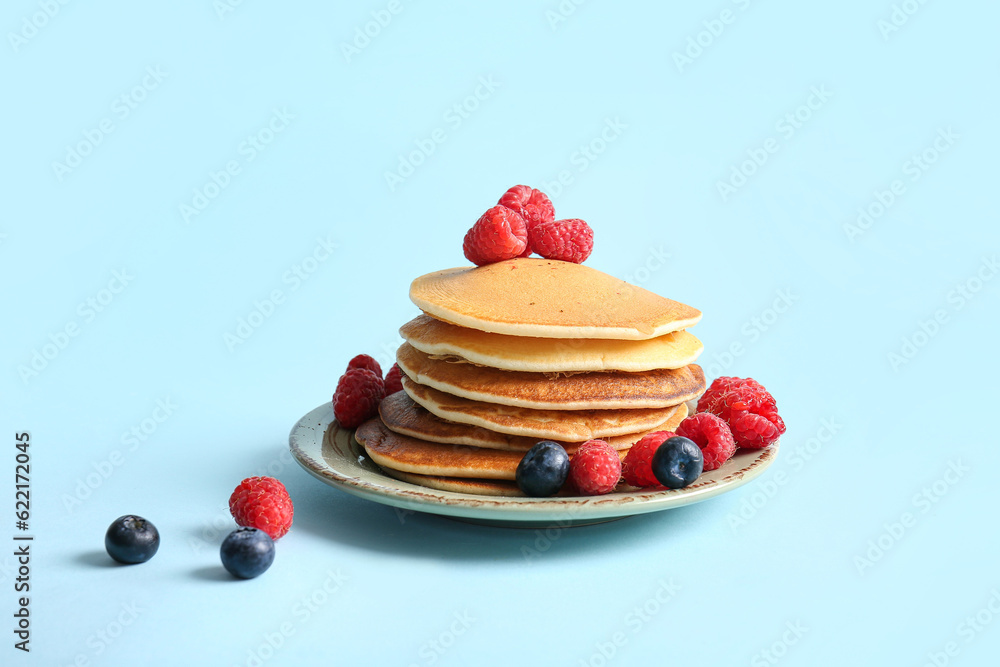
(637, 467)
(748, 407)
(566, 240)
(364, 361)
(263, 503)
(751, 413)
(499, 234)
(723, 385)
(712, 435)
(531, 204)
(595, 468)
(356, 399)
(394, 380)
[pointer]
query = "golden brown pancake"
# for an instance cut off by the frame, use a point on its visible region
(479, 487)
(401, 452)
(578, 391)
(396, 454)
(550, 355)
(400, 414)
(568, 425)
(548, 299)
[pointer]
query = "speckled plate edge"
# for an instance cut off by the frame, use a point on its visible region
(333, 456)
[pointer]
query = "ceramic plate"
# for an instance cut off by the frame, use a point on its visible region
(330, 453)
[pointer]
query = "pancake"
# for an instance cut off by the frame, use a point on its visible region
(401, 452)
(578, 391)
(451, 466)
(548, 299)
(569, 425)
(550, 355)
(400, 414)
(479, 487)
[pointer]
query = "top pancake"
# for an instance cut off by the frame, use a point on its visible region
(549, 355)
(548, 299)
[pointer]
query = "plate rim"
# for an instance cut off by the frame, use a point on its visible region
(309, 432)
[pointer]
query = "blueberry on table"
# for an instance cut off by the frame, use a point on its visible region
(131, 539)
(677, 462)
(247, 552)
(543, 470)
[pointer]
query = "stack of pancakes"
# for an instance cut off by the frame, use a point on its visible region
(509, 354)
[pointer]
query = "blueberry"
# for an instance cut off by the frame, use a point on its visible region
(543, 469)
(131, 539)
(677, 462)
(247, 552)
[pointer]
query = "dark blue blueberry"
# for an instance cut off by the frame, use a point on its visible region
(543, 470)
(247, 552)
(677, 462)
(131, 539)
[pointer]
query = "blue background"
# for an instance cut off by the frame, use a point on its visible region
(798, 548)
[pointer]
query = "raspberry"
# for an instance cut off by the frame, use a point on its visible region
(394, 380)
(712, 435)
(723, 385)
(637, 467)
(499, 234)
(754, 431)
(752, 415)
(364, 361)
(531, 204)
(566, 240)
(356, 399)
(595, 468)
(262, 503)
(748, 407)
